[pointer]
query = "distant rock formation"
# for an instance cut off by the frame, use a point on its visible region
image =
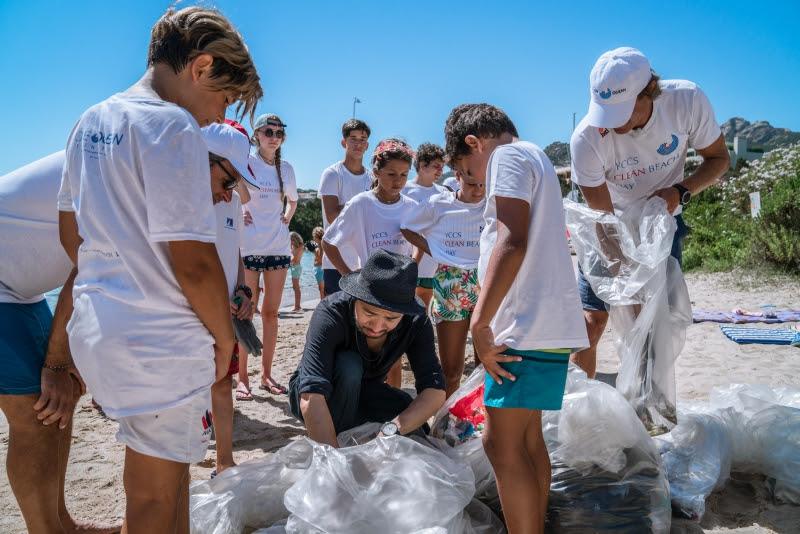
(558, 153)
(759, 134)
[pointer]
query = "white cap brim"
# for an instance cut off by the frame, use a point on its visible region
(609, 115)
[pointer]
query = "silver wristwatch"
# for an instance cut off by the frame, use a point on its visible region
(389, 429)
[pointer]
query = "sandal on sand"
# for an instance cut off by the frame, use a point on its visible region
(274, 388)
(243, 393)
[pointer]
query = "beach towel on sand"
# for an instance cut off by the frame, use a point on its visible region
(700, 315)
(764, 336)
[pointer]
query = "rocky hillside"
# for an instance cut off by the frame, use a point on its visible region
(558, 153)
(759, 134)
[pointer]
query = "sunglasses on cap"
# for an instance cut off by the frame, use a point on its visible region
(269, 133)
(230, 183)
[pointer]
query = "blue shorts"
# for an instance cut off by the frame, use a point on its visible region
(539, 385)
(591, 302)
(331, 279)
(318, 274)
(24, 331)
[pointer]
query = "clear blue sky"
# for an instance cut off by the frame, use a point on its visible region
(409, 62)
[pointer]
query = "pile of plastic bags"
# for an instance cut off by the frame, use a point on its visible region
(390, 485)
(456, 431)
(607, 473)
(627, 261)
(744, 428)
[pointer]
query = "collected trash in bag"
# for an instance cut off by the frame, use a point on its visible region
(456, 430)
(250, 494)
(606, 470)
(607, 473)
(744, 428)
(764, 424)
(388, 485)
(697, 456)
(628, 264)
(246, 335)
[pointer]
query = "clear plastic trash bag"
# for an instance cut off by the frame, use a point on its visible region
(764, 424)
(250, 494)
(457, 429)
(387, 485)
(606, 471)
(697, 456)
(628, 264)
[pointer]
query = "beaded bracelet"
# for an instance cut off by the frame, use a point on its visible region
(57, 368)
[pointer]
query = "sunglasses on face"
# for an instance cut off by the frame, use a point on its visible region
(269, 133)
(231, 181)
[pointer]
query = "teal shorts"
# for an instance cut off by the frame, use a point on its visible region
(425, 283)
(296, 271)
(318, 274)
(541, 377)
(24, 331)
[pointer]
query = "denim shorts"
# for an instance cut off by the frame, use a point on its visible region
(24, 331)
(591, 302)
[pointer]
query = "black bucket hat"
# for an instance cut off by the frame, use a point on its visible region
(387, 280)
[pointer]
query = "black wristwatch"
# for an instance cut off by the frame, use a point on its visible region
(246, 290)
(685, 194)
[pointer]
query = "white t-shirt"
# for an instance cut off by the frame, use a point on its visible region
(268, 236)
(337, 181)
(229, 225)
(137, 177)
(542, 309)
(642, 161)
(451, 227)
(452, 183)
(366, 225)
(33, 260)
(421, 195)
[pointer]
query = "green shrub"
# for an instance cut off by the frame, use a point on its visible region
(778, 225)
(719, 237)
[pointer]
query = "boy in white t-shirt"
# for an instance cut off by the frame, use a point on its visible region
(151, 329)
(228, 147)
(528, 318)
(339, 183)
(429, 164)
(632, 146)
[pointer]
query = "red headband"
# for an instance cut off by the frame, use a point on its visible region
(393, 146)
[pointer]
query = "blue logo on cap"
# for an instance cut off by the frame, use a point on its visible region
(668, 148)
(605, 95)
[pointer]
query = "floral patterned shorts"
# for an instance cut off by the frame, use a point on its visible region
(455, 293)
(266, 263)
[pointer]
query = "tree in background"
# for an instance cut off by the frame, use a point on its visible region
(307, 217)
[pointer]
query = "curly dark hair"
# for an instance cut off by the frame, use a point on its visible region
(480, 120)
(427, 152)
(354, 124)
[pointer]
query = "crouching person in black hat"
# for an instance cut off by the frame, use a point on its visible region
(354, 338)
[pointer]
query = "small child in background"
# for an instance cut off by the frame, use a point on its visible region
(295, 267)
(316, 235)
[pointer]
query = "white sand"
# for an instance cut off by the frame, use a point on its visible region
(94, 477)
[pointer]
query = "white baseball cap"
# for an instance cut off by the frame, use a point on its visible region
(616, 80)
(226, 141)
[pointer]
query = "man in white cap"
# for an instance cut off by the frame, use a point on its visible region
(631, 145)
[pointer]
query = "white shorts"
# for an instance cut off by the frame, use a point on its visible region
(180, 434)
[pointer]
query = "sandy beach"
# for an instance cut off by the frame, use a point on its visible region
(94, 477)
